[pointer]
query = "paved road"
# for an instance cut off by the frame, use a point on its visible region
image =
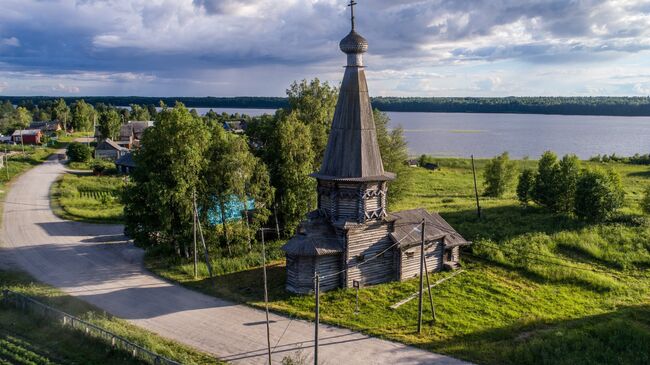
(96, 264)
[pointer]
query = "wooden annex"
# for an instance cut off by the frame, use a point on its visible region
(351, 236)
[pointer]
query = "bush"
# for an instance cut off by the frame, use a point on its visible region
(101, 166)
(567, 180)
(546, 190)
(78, 152)
(525, 186)
(499, 174)
(598, 194)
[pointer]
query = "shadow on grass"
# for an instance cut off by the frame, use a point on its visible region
(644, 174)
(505, 222)
(618, 337)
(246, 285)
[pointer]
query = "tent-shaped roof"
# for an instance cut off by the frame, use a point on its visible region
(352, 152)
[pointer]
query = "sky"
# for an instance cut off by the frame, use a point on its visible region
(258, 47)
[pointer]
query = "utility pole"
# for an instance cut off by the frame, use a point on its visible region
(277, 225)
(433, 310)
(478, 205)
(194, 229)
(266, 297)
(6, 163)
(421, 280)
(22, 143)
(316, 291)
(205, 248)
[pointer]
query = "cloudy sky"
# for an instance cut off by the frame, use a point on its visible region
(257, 47)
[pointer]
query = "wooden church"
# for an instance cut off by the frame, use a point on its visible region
(351, 236)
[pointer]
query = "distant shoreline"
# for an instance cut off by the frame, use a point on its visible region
(594, 106)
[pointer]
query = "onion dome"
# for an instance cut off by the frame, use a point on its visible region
(354, 43)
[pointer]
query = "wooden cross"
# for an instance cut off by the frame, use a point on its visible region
(351, 5)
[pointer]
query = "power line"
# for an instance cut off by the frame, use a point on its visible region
(371, 258)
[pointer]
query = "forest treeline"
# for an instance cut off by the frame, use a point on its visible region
(601, 105)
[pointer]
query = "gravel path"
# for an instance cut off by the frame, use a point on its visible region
(96, 264)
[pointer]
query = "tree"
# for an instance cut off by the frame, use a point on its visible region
(313, 104)
(109, 124)
(499, 174)
(78, 152)
(547, 186)
(22, 118)
(139, 113)
(394, 153)
(158, 201)
(234, 173)
(83, 116)
(598, 194)
(525, 186)
(61, 112)
(292, 164)
(6, 109)
(567, 180)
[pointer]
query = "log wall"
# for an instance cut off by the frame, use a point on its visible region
(364, 243)
(410, 259)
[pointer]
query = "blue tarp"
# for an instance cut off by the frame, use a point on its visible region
(233, 207)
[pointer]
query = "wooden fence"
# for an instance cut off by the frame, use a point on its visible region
(26, 303)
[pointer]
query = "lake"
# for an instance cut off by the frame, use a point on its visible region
(487, 135)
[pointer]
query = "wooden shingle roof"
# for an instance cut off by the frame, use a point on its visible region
(407, 230)
(352, 152)
(315, 237)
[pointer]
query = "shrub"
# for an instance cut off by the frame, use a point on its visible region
(598, 194)
(567, 180)
(101, 166)
(78, 152)
(525, 186)
(499, 174)
(546, 188)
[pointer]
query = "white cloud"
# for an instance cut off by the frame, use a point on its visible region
(11, 41)
(65, 89)
(3, 86)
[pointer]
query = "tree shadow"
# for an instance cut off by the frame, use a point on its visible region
(506, 222)
(643, 174)
(618, 337)
(247, 285)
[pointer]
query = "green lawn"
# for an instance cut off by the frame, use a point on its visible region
(538, 288)
(33, 336)
(88, 198)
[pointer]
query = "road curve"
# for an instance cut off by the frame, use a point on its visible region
(97, 264)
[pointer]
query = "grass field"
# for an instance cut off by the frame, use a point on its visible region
(538, 288)
(83, 197)
(32, 336)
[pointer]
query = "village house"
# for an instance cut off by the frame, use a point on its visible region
(109, 150)
(131, 133)
(28, 136)
(235, 126)
(125, 164)
(48, 128)
(351, 238)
